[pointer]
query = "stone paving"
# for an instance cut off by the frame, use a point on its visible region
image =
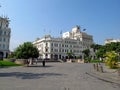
(55, 76)
(110, 75)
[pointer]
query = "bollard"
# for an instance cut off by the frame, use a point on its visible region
(94, 66)
(101, 69)
(97, 68)
(118, 71)
(65, 89)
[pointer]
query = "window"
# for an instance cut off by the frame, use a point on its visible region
(4, 39)
(4, 32)
(56, 50)
(3, 46)
(0, 39)
(7, 46)
(46, 44)
(46, 55)
(66, 45)
(46, 50)
(56, 45)
(6, 25)
(0, 32)
(70, 45)
(8, 33)
(52, 50)
(59, 50)
(65, 50)
(52, 44)
(59, 45)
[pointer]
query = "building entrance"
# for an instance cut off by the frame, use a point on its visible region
(1, 55)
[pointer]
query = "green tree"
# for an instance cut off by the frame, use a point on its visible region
(111, 59)
(100, 52)
(11, 55)
(25, 51)
(86, 53)
(95, 46)
(102, 49)
(70, 55)
(114, 46)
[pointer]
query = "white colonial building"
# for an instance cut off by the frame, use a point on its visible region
(4, 37)
(57, 48)
(107, 41)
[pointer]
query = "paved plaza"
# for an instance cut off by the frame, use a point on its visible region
(55, 76)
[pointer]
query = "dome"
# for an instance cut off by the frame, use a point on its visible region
(76, 29)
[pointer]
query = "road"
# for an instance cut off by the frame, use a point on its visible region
(55, 76)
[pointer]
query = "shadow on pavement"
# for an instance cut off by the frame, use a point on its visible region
(23, 75)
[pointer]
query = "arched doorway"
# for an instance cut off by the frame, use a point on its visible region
(59, 56)
(51, 56)
(6, 54)
(1, 55)
(56, 57)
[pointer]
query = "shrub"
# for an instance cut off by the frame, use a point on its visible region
(111, 59)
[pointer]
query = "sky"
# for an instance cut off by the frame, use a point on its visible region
(30, 19)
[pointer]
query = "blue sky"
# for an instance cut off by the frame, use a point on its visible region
(34, 18)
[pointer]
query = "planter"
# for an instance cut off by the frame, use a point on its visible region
(21, 61)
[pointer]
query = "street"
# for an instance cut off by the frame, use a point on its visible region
(55, 76)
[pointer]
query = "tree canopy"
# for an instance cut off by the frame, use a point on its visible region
(70, 55)
(101, 50)
(25, 51)
(96, 46)
(86, 52)
(114, 46)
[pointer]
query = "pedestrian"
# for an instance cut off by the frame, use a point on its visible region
(36, 60)
(43, 62)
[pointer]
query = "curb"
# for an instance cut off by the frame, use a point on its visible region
(100, 77)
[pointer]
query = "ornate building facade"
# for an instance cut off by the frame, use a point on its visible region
(57, 48)
(4, 37)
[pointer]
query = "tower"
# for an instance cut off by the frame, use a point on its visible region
(4, 37)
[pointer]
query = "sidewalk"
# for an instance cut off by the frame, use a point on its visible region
(109, 75)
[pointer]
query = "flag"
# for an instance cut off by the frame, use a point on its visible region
(84, 29)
